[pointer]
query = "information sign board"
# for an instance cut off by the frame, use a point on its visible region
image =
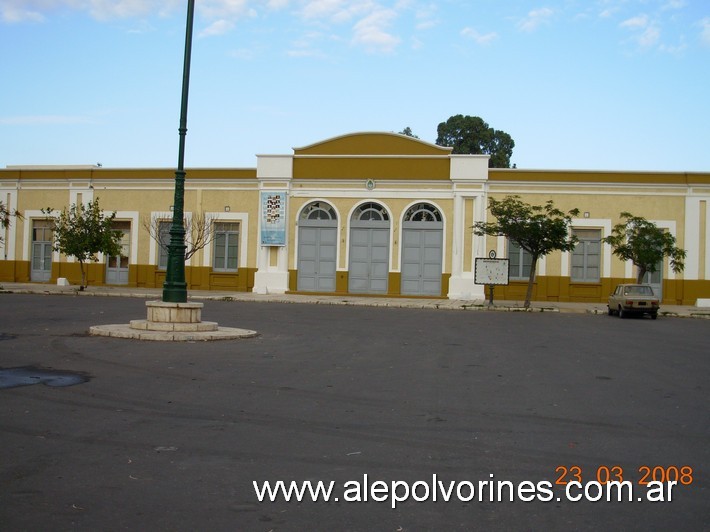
(491, 271)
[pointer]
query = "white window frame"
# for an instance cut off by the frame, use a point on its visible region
(599, 268)
(224, 268)
(514, 248)
(243, 219)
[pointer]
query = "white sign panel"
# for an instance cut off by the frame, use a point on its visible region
(491, 271)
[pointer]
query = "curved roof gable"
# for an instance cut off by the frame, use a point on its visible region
(372, 144)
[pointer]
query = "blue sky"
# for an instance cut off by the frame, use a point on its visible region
(578, 84)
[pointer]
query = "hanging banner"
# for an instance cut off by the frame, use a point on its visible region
(273, 218)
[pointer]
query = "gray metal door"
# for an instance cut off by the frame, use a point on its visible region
(369, 258)
(421, 259)
(317, 246)
(41, 269)
(369, 249)
(117, 267)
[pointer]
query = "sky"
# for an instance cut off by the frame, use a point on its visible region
(578, 84)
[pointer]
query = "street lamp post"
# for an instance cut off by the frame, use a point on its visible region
(175, 287)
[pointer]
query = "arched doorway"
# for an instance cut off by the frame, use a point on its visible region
(422, 239)
(317, 247)
(369, 249)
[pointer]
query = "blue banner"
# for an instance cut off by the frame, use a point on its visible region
(273, 218)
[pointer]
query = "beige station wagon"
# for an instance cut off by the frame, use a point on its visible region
(630, 299)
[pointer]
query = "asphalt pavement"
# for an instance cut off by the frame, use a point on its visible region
(473, 407)
(679, 311)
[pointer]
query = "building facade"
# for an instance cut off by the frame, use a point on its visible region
(365, 214)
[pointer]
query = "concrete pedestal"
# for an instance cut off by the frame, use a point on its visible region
(179, 317)
(172, 322)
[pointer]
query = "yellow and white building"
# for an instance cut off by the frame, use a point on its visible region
(364, 213)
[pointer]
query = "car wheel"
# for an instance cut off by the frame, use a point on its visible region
(621, 313)
(609, 311)
(654, 316)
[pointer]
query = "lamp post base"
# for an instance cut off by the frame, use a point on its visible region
(175, 292)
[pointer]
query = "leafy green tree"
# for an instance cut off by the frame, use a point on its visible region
(472, 135)
(538, 229)
(408, 131)
(83, 232)
(645, 244)
(5, 218)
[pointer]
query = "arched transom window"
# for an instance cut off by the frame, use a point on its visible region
(422, 212)
(371, 212)
(318, 210)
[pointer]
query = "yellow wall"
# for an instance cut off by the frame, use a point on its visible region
(405, 171)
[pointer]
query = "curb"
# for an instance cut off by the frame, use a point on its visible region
(365, 302)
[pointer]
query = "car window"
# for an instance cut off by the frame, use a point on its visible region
(638, 291)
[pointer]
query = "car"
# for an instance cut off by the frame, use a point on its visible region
(630, 299)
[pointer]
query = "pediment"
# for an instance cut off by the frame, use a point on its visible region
(373, 143)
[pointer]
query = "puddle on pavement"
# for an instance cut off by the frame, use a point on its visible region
(29, 375)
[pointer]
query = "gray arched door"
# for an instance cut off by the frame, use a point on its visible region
(369, 249)
(317, 248)
(422, 239)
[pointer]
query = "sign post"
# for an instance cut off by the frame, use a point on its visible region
(491, 272)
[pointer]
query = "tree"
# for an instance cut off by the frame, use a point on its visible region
(642, 242)
(84, 231)
(198, 231)
(472, 135)
(408, 132)
(5, 216)
(538, 229)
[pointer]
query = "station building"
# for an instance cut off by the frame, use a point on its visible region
(359, 214)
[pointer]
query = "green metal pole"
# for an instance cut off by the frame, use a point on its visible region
(175, 287)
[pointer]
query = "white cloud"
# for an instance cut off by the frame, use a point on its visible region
(370, 21)
(426, 17)
(649, 37)
(535, 19)
(13, 15)
(647, 33)
(334, 10)
(371, 31)
(14, 11)
(640, 21)
(224, 9)
(673, 4)
(705, 31)
(218, 27)
(479, 38)
(108, 9)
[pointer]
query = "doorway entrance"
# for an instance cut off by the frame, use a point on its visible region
(42, 237)
(369, 249)
(117, 267)
(317, 248)
(422, 238)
